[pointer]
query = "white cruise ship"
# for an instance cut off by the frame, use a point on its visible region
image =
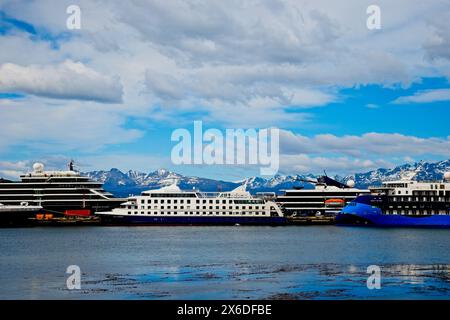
(172, 206)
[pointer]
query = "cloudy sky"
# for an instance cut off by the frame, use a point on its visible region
(347, 99)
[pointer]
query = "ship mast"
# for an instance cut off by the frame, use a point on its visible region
(70, 165)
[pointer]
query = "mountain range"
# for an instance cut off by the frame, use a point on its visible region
(133, 182)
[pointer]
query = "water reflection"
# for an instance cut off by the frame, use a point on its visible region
(247, 281)
(224, 263)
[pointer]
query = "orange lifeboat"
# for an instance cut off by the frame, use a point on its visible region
(334, 202)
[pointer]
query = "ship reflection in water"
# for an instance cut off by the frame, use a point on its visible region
(316, 262)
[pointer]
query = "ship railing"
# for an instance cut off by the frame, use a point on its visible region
(208, 194)
(406, 181)
(266, 195)
(220, 195)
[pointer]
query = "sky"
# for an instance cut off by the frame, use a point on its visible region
(346, 98)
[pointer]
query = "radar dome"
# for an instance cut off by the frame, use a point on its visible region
(447, 175)
(38, 167)
(351, 183)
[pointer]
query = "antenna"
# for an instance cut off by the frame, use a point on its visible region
(70, 165)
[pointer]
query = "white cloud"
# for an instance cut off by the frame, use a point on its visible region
(437, 46)
(43, 125)
(304, 164)
(67, 80)
(190, 56)
(122, 161)
(16, 49)
(11, 169)
(298, 154)
(239, 63)
(369, 144)
(352, 153)
(425, 96)
(309, 98)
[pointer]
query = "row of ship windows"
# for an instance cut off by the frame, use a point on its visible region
(403, 185)
(424, 199)
(420, 193)
(196, 213)
(198, 201)
(417, 212)
(198, 207)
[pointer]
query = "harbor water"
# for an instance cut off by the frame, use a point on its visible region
(294, 262)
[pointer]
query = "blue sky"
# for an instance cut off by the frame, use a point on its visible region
(371, 109)
(346, 99)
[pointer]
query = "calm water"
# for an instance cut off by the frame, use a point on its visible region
(323, 262)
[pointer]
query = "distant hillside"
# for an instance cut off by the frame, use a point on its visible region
(133, 182)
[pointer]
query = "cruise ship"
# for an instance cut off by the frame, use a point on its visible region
(172, 206)
(14, 215)
(327, 198)
(405, 202)
(58, 192)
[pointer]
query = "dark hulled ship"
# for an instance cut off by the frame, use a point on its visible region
(58, 192)
(327, 198)
(402, 203)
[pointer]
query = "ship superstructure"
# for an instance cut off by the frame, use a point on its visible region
(404, 202)
(58, 191)
(171, 205)
(327, 198)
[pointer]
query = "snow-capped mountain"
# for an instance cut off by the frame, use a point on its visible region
(278, 183)
(134, 182)
(422, 171)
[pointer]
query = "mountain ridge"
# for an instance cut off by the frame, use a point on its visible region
(133, 182)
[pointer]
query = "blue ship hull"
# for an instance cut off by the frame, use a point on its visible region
(174, 220)
(366, 215)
